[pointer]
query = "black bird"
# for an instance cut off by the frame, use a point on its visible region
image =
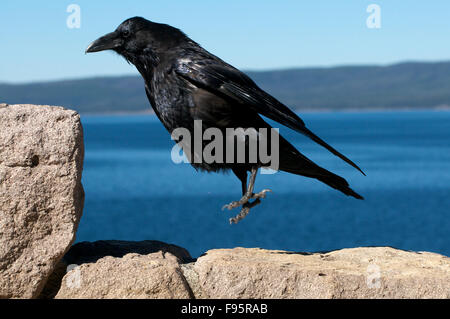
(184, 82)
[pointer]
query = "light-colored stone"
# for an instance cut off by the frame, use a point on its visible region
(378, 272)
(91, 252)
(41, 196)
(373, 272)
(156, 275)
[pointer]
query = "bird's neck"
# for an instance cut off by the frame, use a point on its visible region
(145, 63)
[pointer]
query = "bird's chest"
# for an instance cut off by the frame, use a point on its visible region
(179, 103)
(172, 100)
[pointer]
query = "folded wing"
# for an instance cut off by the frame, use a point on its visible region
(216, 76)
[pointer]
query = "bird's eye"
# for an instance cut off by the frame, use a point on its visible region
(126, 33)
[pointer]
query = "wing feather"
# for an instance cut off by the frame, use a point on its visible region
(220, 78)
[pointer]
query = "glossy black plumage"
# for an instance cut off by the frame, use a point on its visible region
(184, 82)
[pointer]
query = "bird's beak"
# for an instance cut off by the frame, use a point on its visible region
(107, 42)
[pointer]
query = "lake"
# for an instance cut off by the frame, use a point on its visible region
(135, 192)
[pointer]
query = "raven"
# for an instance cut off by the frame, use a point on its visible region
(185, 83)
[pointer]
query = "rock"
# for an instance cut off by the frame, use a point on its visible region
(91, 252)
(156, 275)
(41, 196)
(378, 272)
(373, 272)
(53, 283)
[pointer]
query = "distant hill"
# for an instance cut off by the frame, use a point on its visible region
(403, 85)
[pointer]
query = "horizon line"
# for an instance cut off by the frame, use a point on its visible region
(281, 69)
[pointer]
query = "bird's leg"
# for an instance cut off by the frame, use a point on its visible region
(247, 194)
(246, 191)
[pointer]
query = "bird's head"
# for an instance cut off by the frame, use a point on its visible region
(137, 38)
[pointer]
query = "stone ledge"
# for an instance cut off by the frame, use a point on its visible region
(372, 272)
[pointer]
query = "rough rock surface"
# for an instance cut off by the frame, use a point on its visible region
(156, 275)
(41, 196)
(373, 272)
(91, 252)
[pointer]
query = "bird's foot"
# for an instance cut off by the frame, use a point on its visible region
(245, 199)
(244, 211)
(246, 204)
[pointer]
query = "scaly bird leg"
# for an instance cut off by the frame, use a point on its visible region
(247, 194)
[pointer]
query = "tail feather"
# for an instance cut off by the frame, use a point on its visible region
(294, 162)
(340, 184)
(331, 179)
(321, 142)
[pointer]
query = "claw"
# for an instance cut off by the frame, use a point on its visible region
(244, 200)
(261, 194)
(231, 205)
(244, 212)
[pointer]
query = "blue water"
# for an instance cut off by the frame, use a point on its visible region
(135, 192)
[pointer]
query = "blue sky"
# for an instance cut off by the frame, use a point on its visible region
(37, 45)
